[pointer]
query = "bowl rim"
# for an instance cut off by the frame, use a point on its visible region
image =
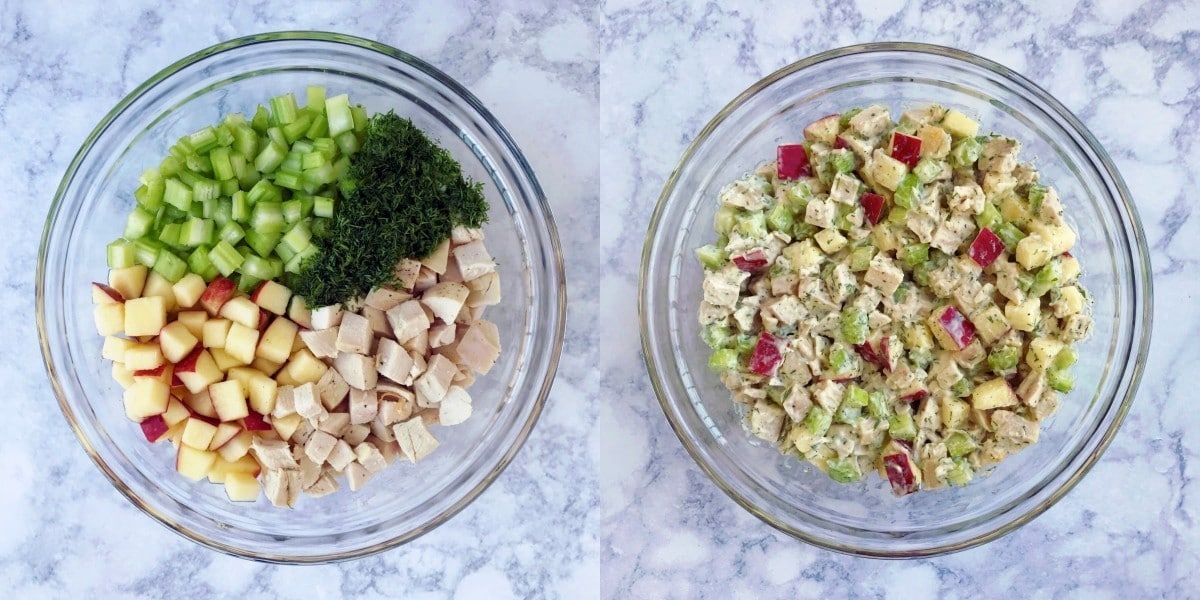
(1139, 258)
(556, 324)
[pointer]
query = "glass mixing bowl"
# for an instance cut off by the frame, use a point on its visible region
(864, 518)
(89, 210)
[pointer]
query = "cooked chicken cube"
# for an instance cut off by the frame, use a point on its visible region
(308, 402)
(326, 316)
(354, 334)
(445, 299)
(323, 486)
(370, 457)
(273, 454)
(318, 446)
(480, 347)
(341, 455)
(356, 476)
(358, 370)
(414, 439)
(473, 260)
(364, 405)
(332, 388)
(407, 271)
(454, 407)
(432, 385)
(408, 320)
(321, 342)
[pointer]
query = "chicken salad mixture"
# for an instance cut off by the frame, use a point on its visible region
(897, 297)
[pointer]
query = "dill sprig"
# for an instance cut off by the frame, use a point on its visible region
(404, 194)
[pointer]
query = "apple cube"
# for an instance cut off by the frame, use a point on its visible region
(241, 487)
(1042, 352)
(140, 357)
(214, 333)
(990, 323)
(272, 296)
(872, 204)
(750, 262)
(115, 347)
(161, 372)
(158, 286)
(229, 400)
(241, 341)
(906, 148)
(110, 318)
(286, 426)
(222, 469)
(901, 469)
(993, 393)
(766, 357)
(145, 398)
(304, 368)
(145, 316)
(224, 433)
(218, 292)
(240, 309)
(256, 422)
(176, 341)
(122, 375)
(823, 130)
(299, 312)
(224, 361)
(986, 247)
(188, 290)
(154, 428)
(194, 464)
(104, 294)
(198, 370)
(237, 447)
(193, 320)
(262, 391)
(267, 367)
(201, 404)
(277, 340)
(176, 412)
(951, 328)
(198, 433)
(1023, 316)
(886, 170)
(954, 413)
(791, 162)
(959, 125)
(128, 281)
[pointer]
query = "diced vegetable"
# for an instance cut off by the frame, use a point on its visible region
(792, 162)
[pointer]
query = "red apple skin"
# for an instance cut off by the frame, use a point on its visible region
(255, 422)
(752, 261)
(959, 327)
(885, 354)
(986, 247)
(868, 354)
(218, 292)
(109, 291)
(915, 396)
(155, 372)
(264, 318)
(154, 428)
(906, 149)
(872, 207)
(901, 473)
(766, 357)
(792, 162)
(188, 364)
(840, 142)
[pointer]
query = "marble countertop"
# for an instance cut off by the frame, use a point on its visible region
(603, 97)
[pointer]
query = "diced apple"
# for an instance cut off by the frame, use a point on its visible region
(237, 447)
(193, 320)
(144, 316)
(1042, 352)
(286, 426)
(105, 294)
(198, 370)
(140, 357)
(901, 469)
(272, 296)
(986, 247)
(188, 290)
(823, 130)
(241, 341)
(224, 433)
(218, 292)
(993, 393)
(146, 397)
(886, 170)
(115, 347)
(194, 464)
(277, 340)
(128, 281)
(256, 422)
(791, 162)
(176, 341)
(157, 285)
(241, 487)
(303, 368)
(990, 323)
(262, 390)
(224, 361)
(766, 358)
(122, 375)
(215, 332)
(1023, 316)
(162, 373)
(951, 328)
(176, 412)
(110, 318)
(267, 367)
(229, 400)
(906, 148)
(154, 428)
(954, 412)
(872, 207)
(201, 404)
(959, 125)
(240, 309)
(1070, 268)
(299, 313)
(198, 433)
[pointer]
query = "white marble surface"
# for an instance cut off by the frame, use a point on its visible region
(1131, 71)
(64, 531)
(603, 98)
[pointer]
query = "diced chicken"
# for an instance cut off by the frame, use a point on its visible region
(485, 290)
(935, 142)
(308, 402)
(455, 406)
(370, 457)
(355, 434)
(354, 334)
(721, 288)
(303, 432)
(442, 334)
(967, 198)
(393, 361)
(326, 316)
(820, 213)
(842, 283)
(1051, 209)
(884, 275)
(473, 260)
(747, 194)
(364, 405)
(356, 476)
(357, 369)
(828, 394)
(341, 455)
(766, 420)
(953, 232)
(331, 389)
(844, 189)
(335, 424)
(999, 154)
(1014, 429)
(744, 315)
(418, 345)
(406, 273)
(923, 223)
(321, 342)
(432, 385)
(797, 403)
(414, 439)
(788, 309)
(310, 470)
(419, 365)
(275, 486)
(1007, 282)
(928, 114)
(871, 121)
(1075, 328)
(480, 347)
(464, 235)
(285, 401)
(377, 319)
(436, 261)
(323, 486)
(445, 299)
(318, 446)
(395, 404)
(1032, 387)
(408, 320)
(385, 298)
(273, 454)
(426, 279)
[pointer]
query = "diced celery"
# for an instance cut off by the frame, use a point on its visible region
(315, 99)
(990, 217)
(177, 194)
(297, 262)
(914, 254)
(347, 142)
(717, 336)
(961, 473)
(877, 405)
(121, 254)
(965, 152)
(262, 243)
(322, 206)
(261, 120)
(359, 114)
(292, 210)
(1047, 277)
(198, 260)
(898, 215)
(908, 192)
(1024, 281)
(752, 224)
(712, 257)
(138, 223)
(316, 177)
(264, 191)
(803, 231)
(224, 136)
(841, 361)
(245, 141)
(337, 111)
(959, 444)
(780, 218)
(1003, 358)
(198, 163)
(222, 168)
(929, 169)
(240, 207)
(297, 238)
(901, 292)
(257, 267)
(276, 267)
(1060, 379)
(205, 189)
(247, 283)
(283, 109)
(921, 272)
(169, 234)
(271, 157)
(267, 217)
(147, 251)
(229, 186)
(225, 257)
(920, 357)
(171, 267)
(1065, 358)
(844, 118)
(196, 232)
(289, 180)
(1036, 194)
(843, 470)
(855, 397)
(962, 388)
(284, 251)
(231, 232)
(297, 129)
(724, 359)
(319, 128)
(848, 414)
(798, 196)
(306, 204)
(169, 167)
(842, 160)
(204, 140)
(817, 421)
(901, 427)
(853, 327)
(860, 258)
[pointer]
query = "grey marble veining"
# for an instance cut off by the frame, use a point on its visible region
(603, 500)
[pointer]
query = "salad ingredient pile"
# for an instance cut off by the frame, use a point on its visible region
(254, 388)
(897, 297)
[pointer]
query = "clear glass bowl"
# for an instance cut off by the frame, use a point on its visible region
(864, 518)
(89, 210)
